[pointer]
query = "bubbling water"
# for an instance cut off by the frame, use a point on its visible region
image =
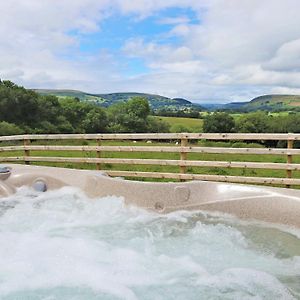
(62, 245)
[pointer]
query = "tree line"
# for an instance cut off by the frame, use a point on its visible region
(187, 112)
(25, 111)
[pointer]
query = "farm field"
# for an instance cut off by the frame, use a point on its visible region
(177, 123)
(169, 156)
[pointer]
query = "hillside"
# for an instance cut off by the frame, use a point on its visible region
(275, 102)
(72, 93)
(267, 102)
(155, 101)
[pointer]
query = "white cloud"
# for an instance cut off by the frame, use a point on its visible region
(152, 52)
(145, 8)
(251, 44)
(174, 20)
(181, 30)
(287, 57)
(285, 90)
(34, 37)
(238, 49)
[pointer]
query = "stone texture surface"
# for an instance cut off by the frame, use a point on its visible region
(276, 205)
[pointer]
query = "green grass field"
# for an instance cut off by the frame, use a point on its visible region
(192, 125)
(175, 156)
(196, 125)
(176, 123)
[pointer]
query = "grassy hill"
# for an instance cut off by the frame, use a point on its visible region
(267, 102)
(72, 93)
(275, 102)
(155, 101)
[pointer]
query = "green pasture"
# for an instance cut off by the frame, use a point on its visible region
(171, 156)
(177, 123)
(279, 114)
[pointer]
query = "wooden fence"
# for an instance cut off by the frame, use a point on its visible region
(183, 146)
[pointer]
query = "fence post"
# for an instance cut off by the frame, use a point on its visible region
(290, 144)
(98, 165)
(26, 151)
(183, 155)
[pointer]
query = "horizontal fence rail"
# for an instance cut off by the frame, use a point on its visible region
(161, 149)
(159, 162)
(156, 136)
(10, 152)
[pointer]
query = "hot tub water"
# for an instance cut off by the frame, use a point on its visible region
(62, 245)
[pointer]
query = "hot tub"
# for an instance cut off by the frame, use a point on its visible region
(62, 244)
(268, 204)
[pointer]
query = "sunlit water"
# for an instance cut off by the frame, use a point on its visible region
(62, 245)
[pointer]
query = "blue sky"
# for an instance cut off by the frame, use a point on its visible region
(201, 50)
(116, 29)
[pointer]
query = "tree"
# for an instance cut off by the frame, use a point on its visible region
(18, 105)
(25, 110)
(130, 116)
(256, 122)
(219, 122)
(157, 125)
(284, 124)
(95, 121)
(49, 108)
(83, 116)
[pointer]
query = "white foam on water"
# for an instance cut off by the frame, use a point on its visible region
(63, 245)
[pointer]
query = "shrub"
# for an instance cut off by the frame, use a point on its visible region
(9, 128)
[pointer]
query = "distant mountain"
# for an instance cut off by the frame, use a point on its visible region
(72, 93)
(273, 102)
(266, 102)
(234, 105)
(212, 106)
(221, 106)
(182, 101)
(155, 101)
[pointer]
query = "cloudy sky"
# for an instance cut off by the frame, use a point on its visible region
(202, 50)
